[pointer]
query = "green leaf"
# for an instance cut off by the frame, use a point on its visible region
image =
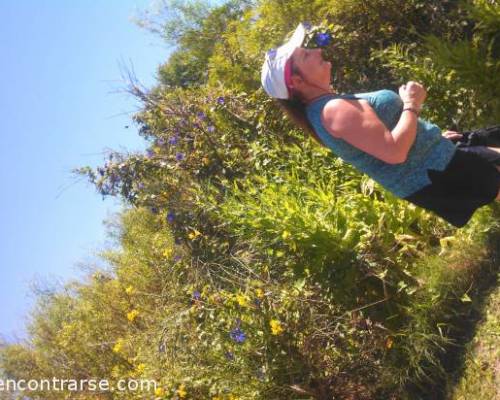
(299, 284)
(465, 298)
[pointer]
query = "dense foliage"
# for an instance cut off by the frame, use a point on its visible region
(251, 263)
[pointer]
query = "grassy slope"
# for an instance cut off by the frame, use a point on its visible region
(481, 378)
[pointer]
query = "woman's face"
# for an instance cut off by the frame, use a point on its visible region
(313, 70)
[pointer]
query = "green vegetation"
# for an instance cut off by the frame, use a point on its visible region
(250, 262)
(481, 379)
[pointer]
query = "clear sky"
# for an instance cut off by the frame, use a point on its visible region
(62, 62)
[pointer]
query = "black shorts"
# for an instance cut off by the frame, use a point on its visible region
(470, 181)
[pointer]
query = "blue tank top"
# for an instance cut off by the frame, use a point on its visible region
(430, 150)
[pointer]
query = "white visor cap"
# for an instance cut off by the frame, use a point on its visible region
(273, 70)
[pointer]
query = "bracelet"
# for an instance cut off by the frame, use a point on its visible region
(412, 110)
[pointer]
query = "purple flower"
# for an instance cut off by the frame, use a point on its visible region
(197, 295)
(237, 335)
(196, 125)
(177, 258)
(149, 153)
(307, 25)
(323, 39)
(160, 142)
(154, 210)
(220, 100)
(173, 139)
(272, 53)
(179, 156)
(229, 355)
(211, 128)
(140, 185)
(162, 347)
(201, 115)
(170, 217)
(100, 170)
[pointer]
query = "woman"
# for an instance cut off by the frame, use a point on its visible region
(381, 134)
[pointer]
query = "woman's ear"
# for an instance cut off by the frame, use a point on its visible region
(296, 81)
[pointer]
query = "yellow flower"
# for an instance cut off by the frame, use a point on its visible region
(276, 327)
(388, 343)
(118, 346)
(132, 315)
(167, 252)
(129, 289)
(181, 391)
(259, 293)
(242, 300)
(116, 371)
(159, 392)
(194, 235)
(285, 234)
(140, 368)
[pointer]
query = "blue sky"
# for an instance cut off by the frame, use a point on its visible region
(62, 63)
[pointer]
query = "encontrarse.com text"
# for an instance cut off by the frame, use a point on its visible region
(74, 385)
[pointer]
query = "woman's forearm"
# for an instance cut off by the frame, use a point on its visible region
(404, 133)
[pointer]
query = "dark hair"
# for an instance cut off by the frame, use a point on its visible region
(295, 109)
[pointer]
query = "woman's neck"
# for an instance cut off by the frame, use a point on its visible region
(316, 96)
(316, 92)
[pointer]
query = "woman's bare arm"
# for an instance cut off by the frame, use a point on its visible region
(358, 124)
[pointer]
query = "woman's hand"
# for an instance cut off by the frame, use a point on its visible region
(412, 94)
(452, 135)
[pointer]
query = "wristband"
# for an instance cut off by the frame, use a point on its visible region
(412, 104)
(411, 109)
